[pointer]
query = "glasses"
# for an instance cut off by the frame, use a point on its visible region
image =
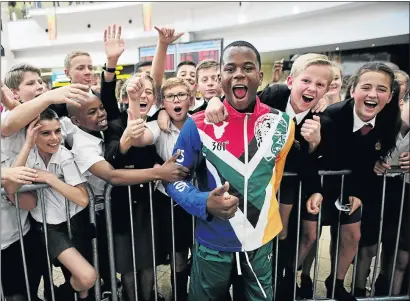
(180, 96)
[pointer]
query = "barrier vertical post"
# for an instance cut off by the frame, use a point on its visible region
(337, 241)
(70, 233)
(50, 273)
(396, 249)
(277, 256)
(173, 250)
(134, 264)
(376, 264)
(153, 242)
(297, 239)
(110, 239)
(94, 242)
(316, 269)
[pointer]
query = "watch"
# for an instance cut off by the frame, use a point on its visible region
(111, 70)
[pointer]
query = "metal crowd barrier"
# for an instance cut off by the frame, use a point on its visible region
(110, 238)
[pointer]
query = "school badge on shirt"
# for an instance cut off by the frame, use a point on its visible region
(378, 146)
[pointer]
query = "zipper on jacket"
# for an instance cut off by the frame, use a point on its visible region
(245, 192)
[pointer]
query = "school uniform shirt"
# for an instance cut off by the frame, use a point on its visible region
(343, 147)
(164, 143)
(402, 145)
(63, 166)
(199, 105)
(88, 150)
(135, 158)
(9, 229)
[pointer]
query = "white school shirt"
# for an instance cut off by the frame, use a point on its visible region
(402, 145)
(164, 142)
(63, 166)
(358, 123)
(299, 117)
(9, 231)
(88, 150)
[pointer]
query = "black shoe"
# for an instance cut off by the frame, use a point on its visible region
(359, 292)
(286, 287)
(381, 286)
(306, 287)
(340, 292)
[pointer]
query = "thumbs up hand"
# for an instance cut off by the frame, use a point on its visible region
(221, 204)
(311, 132)
(135, 127)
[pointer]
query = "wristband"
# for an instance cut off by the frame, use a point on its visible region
(111, 70)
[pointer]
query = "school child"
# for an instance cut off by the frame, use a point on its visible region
(92, 138)
(398, 158)
(177, 98)
(230, 215)
(43, 151)
(355, 134)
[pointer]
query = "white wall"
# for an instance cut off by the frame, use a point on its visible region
(270, 26)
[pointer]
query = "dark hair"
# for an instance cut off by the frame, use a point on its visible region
(243, 44)
(48, 114)
(185, 63)
(141, 64)
(388, 121)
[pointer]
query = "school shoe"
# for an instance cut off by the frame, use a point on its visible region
(306, 287)
(359, 292)
(340, 292)
(286, 287)
(381, 286)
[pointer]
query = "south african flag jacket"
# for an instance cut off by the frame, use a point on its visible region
(249, 151)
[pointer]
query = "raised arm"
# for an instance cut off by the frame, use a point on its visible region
(23, 114)
(166, 36)
(114, 47)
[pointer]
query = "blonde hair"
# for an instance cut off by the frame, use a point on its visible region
(121, 89)
(206, 64)
(71, 55)
(174, 82)
(15, 75)
(306, 60)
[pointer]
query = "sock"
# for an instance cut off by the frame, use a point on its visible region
(305, 278)
(282, 256)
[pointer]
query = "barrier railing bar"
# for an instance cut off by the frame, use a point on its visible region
(94, 242)
(396, 249)
(154, 263)
(110, 240)
(23, 252)
(50, 272)
(384, 298)
(318, 231)
(376, 263)
(297, 240)
(134, 264)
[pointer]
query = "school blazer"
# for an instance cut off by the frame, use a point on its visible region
(341, 149)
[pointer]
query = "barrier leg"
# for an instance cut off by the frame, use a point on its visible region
(277, 258)
(94, 243)
(70, 233)
(337, 242)
(376, 264)
(297, 239)
(396, 249)
(134, 264)
(23, 253)
(50, 272)
(110, 238)
(153, 242)
(316, 270)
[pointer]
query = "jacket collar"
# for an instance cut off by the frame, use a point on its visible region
(234, 113)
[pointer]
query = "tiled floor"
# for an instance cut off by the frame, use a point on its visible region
(164, 284)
